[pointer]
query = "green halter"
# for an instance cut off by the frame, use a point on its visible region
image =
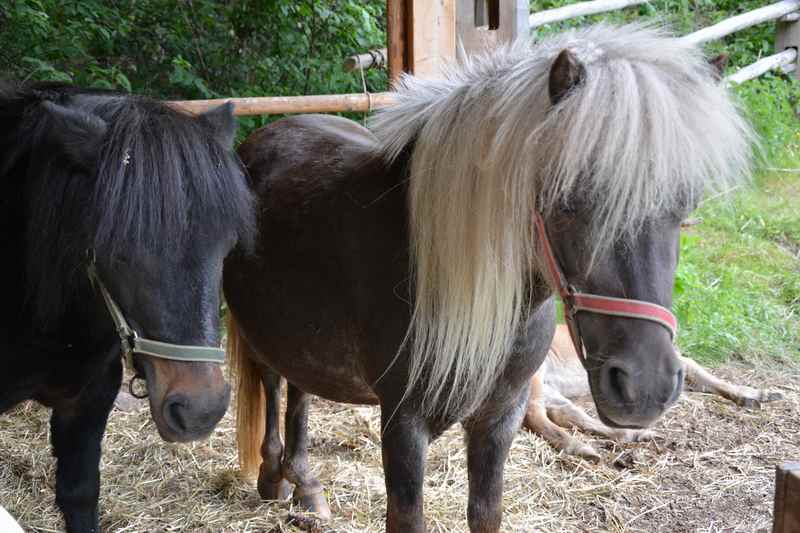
(132, 343)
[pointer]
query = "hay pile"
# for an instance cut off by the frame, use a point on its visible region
(711, 471)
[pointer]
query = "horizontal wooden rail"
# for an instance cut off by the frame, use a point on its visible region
(373, 58)
(276, 105)
(578, 10)
(745, 20)
(785, 58)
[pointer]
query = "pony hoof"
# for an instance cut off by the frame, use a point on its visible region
(584, 451)
(271, 490)
(589, 453)
(771, 396)
(644, 435)
(749, 403)
(313, 503)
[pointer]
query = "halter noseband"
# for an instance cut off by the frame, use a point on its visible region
(131, 343)
(576, 302)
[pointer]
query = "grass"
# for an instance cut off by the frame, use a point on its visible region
(737, 290)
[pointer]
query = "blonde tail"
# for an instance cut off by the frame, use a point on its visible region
(250, 400)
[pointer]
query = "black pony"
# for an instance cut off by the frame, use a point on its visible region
(152, 200)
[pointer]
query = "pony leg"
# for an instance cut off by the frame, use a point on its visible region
(76, 430)
(537, 421)
(702, 380)
(308, 491)
(489, 437)
(271, 483)
(566, 414)
(404, 446)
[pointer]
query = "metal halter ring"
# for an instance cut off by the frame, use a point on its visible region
(137, 377)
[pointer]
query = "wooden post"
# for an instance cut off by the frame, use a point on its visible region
(432, 35)
(397, 28)
(483, 24)
(786, 518)
(788, 36)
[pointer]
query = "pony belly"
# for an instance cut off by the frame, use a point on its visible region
(327, 373)
(337, 385)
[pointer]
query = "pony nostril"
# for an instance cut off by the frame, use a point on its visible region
(621, 385)
(175, 413)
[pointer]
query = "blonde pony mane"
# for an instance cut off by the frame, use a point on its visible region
(646, 132)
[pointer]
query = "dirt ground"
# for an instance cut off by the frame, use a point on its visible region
(712, 470)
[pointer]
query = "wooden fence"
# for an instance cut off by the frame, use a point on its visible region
(787, 42)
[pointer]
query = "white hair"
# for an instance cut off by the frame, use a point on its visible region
(646, 132)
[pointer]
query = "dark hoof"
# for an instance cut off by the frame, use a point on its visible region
(271, 490)
(313, 503)
(749, 403)
(771, 396)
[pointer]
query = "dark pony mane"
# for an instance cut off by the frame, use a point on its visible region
(159, 180)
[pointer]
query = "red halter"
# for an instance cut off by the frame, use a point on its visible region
(575, 302)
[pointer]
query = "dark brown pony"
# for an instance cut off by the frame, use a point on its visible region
(399, 266)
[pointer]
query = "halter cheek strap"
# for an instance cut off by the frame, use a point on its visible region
(132, 343)
(576, 302)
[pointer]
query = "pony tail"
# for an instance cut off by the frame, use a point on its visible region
(250, 400)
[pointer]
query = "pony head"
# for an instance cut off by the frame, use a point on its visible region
(611, 134)
(159, 198)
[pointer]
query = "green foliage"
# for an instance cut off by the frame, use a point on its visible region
(773, 106)
(193, 48)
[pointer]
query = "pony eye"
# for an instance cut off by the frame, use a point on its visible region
(566, 208)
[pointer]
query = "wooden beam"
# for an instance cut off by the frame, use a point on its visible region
(786, 515)
(773, 62)
(740, 22)
(433, 41)
(787, 37)
(276, 105)
(579, 10)
(396, 33)
(371, 59)
(479, 28)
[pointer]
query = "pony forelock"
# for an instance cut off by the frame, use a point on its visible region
(646, 133)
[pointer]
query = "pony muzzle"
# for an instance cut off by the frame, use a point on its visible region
(187, 399)
(631, 395)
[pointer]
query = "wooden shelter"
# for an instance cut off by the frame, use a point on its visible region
(424, 35)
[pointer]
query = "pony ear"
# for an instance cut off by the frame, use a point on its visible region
(718, 65)
(223, 123)
(78, 133)
(565, 74)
